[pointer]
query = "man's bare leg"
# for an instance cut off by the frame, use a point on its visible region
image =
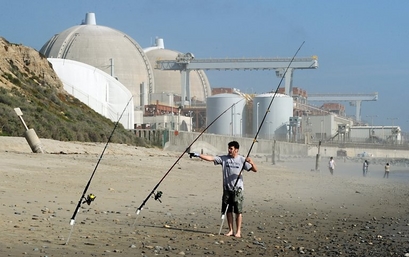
(239, 218)
(230, 223)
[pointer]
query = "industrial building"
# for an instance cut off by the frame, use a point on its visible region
(158, 88)
(120, 56)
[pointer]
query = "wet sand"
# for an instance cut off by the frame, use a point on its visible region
(290, 209)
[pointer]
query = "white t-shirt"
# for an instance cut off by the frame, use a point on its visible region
(231, 168)
(331, 164)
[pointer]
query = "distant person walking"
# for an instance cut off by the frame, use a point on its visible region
(331, 165)
(365, 168)
(387, 169)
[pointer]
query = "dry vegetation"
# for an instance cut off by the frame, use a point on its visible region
(28, 81)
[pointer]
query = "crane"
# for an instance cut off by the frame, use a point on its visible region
(187, 62)
(354, 99)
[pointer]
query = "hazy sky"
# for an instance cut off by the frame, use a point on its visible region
(361, 45)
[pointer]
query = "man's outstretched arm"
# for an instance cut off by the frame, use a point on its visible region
(202, 156)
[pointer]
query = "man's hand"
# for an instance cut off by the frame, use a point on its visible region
(194, 155)
(253, 165)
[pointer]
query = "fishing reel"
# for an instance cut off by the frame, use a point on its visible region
(158, 195)
(90, 198)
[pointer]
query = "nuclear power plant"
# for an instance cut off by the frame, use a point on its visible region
(158, 88)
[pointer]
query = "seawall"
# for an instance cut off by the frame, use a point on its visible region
(217, 144)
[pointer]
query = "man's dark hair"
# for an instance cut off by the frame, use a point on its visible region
(235, 144)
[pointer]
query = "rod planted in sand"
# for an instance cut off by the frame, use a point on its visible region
(91, 197)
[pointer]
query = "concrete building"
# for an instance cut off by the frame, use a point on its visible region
(98, 90)
(106, 49)
(121, 57)
(376, 134)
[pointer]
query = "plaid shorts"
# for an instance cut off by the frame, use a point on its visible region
(233, 199)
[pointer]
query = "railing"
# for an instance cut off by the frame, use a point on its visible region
(219, 60)
(157, 137)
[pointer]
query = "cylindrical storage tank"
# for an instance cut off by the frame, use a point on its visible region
(231, 122)
(277, 119)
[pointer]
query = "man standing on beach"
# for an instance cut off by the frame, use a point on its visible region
(232, 165)
(365, 168)
(331, 165)
(387, 169)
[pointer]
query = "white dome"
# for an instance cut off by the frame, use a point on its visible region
(107, 49)
(170, 81)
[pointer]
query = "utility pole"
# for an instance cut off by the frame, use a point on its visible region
(273, 156)
(258, 105)
(372, 132)
(317, 158)
(393, 120)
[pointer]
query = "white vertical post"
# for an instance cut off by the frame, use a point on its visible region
(20, 115)
(232, 121)
(241, 127)
(258, 105)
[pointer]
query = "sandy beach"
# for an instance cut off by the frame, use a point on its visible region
(290, 209)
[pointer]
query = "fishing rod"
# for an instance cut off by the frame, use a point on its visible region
(158, 194)
(91, 197)
(259, 128)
